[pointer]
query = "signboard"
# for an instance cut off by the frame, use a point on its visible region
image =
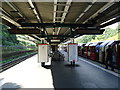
(43, 53)
(72, 52)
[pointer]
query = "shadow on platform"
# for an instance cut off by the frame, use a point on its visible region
(10, 86)
(64, 77)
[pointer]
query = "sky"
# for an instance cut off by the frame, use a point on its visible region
(113, 26)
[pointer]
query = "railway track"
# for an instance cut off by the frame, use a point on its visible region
(8, 55)
(10, 64)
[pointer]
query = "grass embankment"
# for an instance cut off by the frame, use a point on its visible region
(13, 58)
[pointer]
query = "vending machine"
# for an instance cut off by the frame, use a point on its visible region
(43, 53)
(72, 53)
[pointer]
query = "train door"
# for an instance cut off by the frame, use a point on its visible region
(102, 51)
(88, 50)
(79, 50)
(118, 54)
(82, 49)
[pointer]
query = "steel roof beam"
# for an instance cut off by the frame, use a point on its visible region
(13, 7)
(89, 6)
(19, 13)
(6, 13)
(52, 25)
(54, 13)
(74, 33)
(39, 16)
(62, 4)
(61, 11)
(110, 22)
(111, 6)
(24, 31)
(65, 13)
(82, 13)
(99, 11)
(88, 31)
(35, 37)
(58, 17)
(34, 10)
(3, 16)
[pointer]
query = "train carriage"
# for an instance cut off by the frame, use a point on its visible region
(118, 54)
(81, 49)
(116, 49)
(93, 52)
(87, 50)
(102, 51)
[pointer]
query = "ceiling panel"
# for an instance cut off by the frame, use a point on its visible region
(26, 11)
(46, 11)
(75, 10)
(91, 11)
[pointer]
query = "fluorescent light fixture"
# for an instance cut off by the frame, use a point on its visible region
(100, 10)
(54, 13)
(13, 7)
(61, 11)
(58, 30)
(62, 4)
(64, 14)
(31, 4)
(79, 17)
(55, 40)
(53, 33)
(34, 10)
(10, 20)
(107, 21)
(4, 12)
(87, 8)
(36, 37)
(38, 17)
(94, 1)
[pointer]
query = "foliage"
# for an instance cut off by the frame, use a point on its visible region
(86, 38)
(108, 34)
(7, 38)
(10, 42)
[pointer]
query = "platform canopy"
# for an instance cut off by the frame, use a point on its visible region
(59, 19)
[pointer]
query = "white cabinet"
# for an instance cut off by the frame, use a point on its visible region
(43, 52)
(72, 52)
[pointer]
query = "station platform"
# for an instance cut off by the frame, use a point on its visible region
(30, 74)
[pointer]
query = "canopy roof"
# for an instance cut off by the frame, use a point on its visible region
(58, 19)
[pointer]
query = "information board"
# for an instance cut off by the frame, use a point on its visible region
(43, 53)
(72, 52)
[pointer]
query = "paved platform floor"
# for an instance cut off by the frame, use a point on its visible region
(27, 74)
(84, 75)
(30, 74)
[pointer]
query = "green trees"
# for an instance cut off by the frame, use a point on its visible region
(12, 43)
(8, 39)
(86, 38)
(108, 33)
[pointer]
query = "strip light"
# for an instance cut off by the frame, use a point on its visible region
(82, 13)
(64, 14)
(10, 20)
(100, 10)
(34, 10)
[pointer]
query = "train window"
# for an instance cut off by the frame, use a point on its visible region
(93, 49)
(88, 48)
